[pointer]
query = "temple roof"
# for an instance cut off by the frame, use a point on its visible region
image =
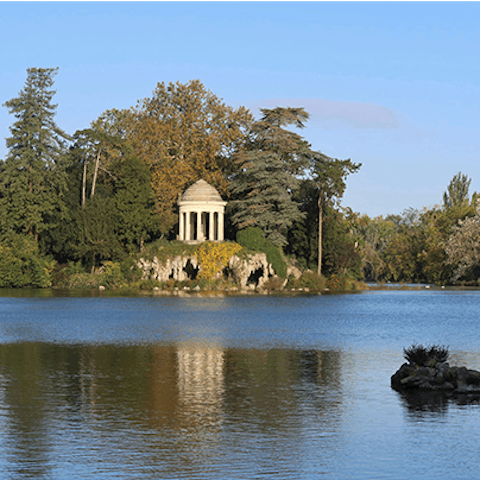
(201, 191)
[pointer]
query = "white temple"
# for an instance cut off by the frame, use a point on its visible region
(202, 213)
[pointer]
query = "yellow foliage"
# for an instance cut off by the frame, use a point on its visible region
(185, 133)
(213, 257)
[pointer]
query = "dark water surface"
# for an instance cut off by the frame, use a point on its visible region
(233, 387)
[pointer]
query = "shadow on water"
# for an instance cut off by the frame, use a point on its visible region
(417, 403)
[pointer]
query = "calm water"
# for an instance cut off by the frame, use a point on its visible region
(232, 388)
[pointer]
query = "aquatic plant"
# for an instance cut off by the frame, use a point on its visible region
(420, 355)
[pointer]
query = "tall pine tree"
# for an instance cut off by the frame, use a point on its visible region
(267, 177)
(31, 179)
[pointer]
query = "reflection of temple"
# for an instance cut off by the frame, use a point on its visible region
(201, 215)
(201, 380)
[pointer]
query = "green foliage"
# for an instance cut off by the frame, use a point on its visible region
(275, 258)
(252, 239)
(420, 355)
(309, 280)
(21, 264)
(456, 194)
(135, 220)
(340, 254)
(93, 236)
(32, 179)
(343, 282)
(267, 176)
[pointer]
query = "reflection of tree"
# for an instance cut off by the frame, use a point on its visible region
(149, 401)
(25, 410)
(269, 387)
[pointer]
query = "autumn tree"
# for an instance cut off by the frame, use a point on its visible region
(32, 179)
(184, 133)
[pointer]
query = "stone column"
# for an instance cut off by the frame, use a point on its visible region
(220, 226)
(181, 224)
(199, 227)
(187, 221)
(211, 230)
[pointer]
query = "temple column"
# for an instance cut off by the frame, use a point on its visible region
(187, 222)
(211, 230)
(220, 226)
(199, 227)
(181, 230)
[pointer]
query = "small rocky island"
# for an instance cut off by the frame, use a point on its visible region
(428, 370)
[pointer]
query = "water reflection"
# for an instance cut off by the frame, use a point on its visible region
(174, 410)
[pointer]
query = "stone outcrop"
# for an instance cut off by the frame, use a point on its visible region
(250, 272)
(253, 270)
(436, 376)
(179, 268)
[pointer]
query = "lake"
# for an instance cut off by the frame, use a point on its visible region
(254, 387)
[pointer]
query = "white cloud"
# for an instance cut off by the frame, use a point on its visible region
(334, 114)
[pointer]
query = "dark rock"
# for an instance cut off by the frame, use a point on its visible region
(438, 376)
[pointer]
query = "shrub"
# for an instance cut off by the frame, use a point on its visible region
(213, 257)
(251, 238)
(310, 280)
(22, 265)
(275, 258)
(420, 355)
(274, 283)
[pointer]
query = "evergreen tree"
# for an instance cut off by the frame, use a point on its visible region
(268, 171)
(457, 191)
(134, 203)
(263, 196)
(31, 177)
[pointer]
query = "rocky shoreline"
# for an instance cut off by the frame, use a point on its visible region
(436, 376)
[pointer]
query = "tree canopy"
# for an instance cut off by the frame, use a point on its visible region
(32, 180)
(184, 133)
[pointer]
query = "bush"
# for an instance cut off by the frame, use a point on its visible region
(22, 265)
(344, 282)
(310, 280)
(274, 283)
(275, 258)
(420, 355)
(213, 257)
(252, 238)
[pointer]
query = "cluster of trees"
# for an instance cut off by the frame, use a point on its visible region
(439, 245)
(104, 192)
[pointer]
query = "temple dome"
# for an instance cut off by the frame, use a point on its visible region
(201, 191)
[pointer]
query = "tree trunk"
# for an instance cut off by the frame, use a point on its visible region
(97, 163)
(84, 183)
(320, 220)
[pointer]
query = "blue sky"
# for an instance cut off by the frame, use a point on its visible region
(394, 86)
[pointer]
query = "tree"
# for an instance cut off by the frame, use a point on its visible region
(262, 193)
(463, 246)
(134, 201)
(185, 133)
(31, 178)
(328, 175)
(268, 171)
(93, 237)
(457, 191)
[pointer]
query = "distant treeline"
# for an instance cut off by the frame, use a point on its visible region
(103, 194)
